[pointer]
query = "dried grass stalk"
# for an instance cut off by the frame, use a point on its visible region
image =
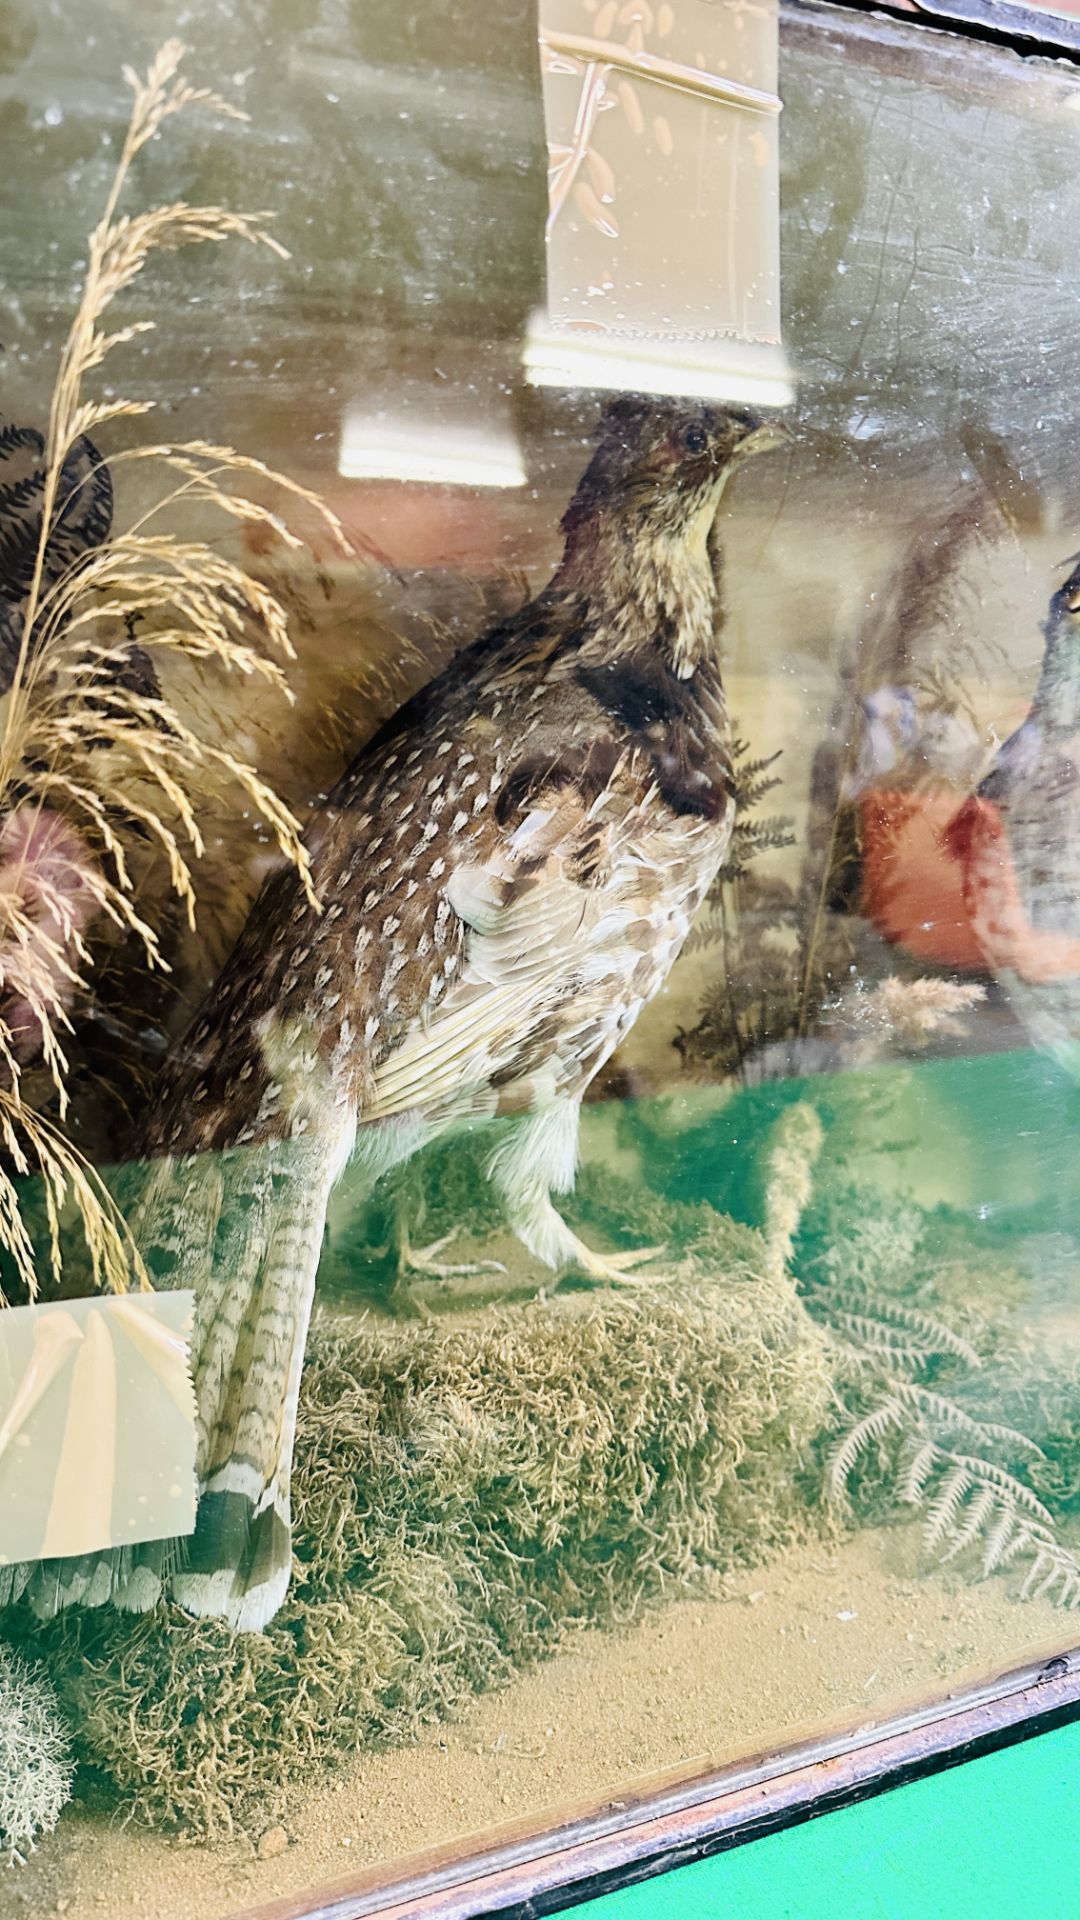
(94, 760)
(796, 1144)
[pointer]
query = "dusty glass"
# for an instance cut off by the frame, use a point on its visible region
(560, 1517)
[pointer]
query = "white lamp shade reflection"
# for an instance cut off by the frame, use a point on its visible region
(663, 231)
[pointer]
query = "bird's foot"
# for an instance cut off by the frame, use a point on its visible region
(616, 1269)
(422, 1260)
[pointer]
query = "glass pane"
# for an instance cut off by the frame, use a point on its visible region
(767, 1420)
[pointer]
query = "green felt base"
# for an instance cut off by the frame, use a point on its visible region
(995, 1839)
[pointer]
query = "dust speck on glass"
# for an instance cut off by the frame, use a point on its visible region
(539, 797)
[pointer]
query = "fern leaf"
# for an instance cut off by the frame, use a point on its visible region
(872, 1427)
(942, 1511)
(1038, 1579)
(1012, 1437)
(773, 831)
(918, 1473)
(1007, 1483)
(934, 1334)
(1069, 1595)
(1022, 1541)
(888, 1358)
(978, 1511)
(1053, 1568)
(997, 1539)
(941, 1408)
(882, 1343)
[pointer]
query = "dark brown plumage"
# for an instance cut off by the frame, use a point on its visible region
(506, 874)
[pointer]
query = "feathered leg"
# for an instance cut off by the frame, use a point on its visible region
(539, 1158)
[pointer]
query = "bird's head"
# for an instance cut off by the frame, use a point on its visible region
(660, 465)
(637, 529)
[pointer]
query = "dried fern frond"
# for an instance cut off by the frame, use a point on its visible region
(889, 1322)
(1054, 1575)
(914, 1433)
(866, 1432)
(945, 1504)
(748, 1004)
(751, 837)
(91, 746)
(937, 1406)
(918, 1471)
(753, 778)
(972, 1501)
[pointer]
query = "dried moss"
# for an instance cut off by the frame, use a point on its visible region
(465, 1490)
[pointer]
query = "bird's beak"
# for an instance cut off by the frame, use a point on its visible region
(764, 439)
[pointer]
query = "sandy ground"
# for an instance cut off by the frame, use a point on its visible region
(816, 1636)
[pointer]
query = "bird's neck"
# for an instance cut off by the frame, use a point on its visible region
(646, 587)
(1057, 696)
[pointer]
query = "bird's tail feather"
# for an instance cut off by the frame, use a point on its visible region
(246, 1230)
(247, 1370)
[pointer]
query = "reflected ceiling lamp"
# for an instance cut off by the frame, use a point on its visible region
(379, 444)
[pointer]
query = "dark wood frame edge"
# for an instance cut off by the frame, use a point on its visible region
(548, 1864)
(999, 22)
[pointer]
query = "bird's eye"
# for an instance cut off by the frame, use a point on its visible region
(695, 439)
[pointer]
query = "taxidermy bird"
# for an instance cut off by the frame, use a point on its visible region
(506, 874)
(1017, 841)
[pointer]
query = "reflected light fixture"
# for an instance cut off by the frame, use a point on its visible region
(378, 446)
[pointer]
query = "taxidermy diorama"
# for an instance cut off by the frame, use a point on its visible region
(397, 1507)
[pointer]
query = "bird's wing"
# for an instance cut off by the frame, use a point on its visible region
(532, 918)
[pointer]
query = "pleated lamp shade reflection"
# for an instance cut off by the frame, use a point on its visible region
(663, 270)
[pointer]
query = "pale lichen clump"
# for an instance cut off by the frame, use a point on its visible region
(36, 1764)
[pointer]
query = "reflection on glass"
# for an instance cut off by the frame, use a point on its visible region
(1015, 842)
(662, 146)
(534, 1518)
